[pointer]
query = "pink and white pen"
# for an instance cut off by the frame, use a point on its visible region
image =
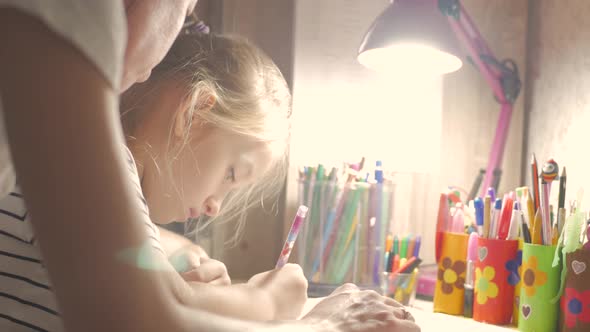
(292, 236)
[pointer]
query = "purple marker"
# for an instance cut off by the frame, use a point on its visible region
(292, 236)
(492, 194)
(416, 252)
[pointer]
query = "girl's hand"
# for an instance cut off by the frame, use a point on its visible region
(287, 288)
(350, 309)
(194, 265)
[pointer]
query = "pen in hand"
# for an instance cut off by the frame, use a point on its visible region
(292, 236)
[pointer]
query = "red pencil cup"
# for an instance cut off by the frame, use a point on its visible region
(494, 281)
(449, 293)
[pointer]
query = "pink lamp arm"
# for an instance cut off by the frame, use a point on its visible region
(470, 37)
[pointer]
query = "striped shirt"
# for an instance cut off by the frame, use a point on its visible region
(26, 300)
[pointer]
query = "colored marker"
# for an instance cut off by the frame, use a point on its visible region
(536, 236)
(515, 222)
(495, 218)
(409, 265)
(396, 262)
(478, 204)
(505, 218)
(492, 194)
(411, 245)
(487, 206)
(404, 250)
(417, 246)
(292, 236)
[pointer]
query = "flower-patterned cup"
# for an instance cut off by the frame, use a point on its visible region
(514, 268)
(575, 300)
(495, 279)
(449, 292)
(539, 284)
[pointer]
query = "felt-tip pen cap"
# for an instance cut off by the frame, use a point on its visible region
(478, 204)
(302, 211)
(379, 171)
(492, 193)
(498, 204)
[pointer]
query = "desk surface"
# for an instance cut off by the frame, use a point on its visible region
(436, 322)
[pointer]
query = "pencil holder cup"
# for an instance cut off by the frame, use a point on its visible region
(496, 274)
(449, 291)
(539, 284)
(401, 286)
(343, 238)
(575, 299)
(517, 263)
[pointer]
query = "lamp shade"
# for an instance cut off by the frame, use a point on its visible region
(411, 36)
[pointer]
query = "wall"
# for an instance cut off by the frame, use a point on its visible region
(436, 136)
(558, 94)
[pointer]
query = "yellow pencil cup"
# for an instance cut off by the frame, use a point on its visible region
(449, 293)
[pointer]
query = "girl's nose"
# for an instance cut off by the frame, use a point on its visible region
(212, 206)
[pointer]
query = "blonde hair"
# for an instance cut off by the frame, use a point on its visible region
(251, 99)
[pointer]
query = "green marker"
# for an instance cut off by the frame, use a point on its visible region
(395, 248)
(404, 249)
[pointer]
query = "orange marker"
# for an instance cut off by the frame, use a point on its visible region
(388, 243)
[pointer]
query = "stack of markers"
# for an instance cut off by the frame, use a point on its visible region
(350, 213)
(402, 256)
(518, 214)
(401, 267)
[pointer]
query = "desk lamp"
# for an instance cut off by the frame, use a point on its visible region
(420, 37)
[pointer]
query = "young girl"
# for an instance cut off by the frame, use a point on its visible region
(213, 121)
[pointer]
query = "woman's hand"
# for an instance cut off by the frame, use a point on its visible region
(287, 288)
(349, 309)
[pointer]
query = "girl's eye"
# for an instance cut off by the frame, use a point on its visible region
(231, 175)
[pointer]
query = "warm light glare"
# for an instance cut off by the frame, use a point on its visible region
(397, 122)
(413, 59)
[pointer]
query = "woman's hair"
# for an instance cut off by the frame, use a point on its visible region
(251, 99)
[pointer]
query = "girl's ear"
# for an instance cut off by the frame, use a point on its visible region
(186, 115)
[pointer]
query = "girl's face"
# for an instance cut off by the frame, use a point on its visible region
(207, 169)
(211, 164)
